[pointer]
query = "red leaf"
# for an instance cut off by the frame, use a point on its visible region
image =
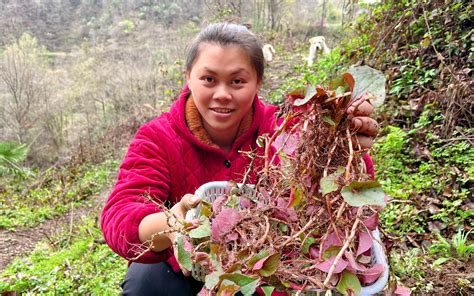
(259, 264)
(307, 181)
(332, 240)
(353, 263)
(340, 266)
(371, 222)
(245, 203)
(200, 256)
(296, 287)
(218, 204)
(372, 274)
(289, 147)
(232, 236)
(313, 252)
(284, 213)
(365, 242)
(187, 245)
(224, 222)
(349, 80)
(267, 265)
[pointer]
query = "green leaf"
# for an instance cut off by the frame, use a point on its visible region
(11, 155)
(184, 258)
(268, 290)
(440, 261)
(227, 290)
(328, 120)
(212, 279)
(348, 281)
(332, 251)
(283, 227)
(338, 83)
(261, 141)
(368, 80)
(241, 255)
(328, 184)
(270, 265)
(204, 230)
(307, 243)
(359, 194)
(310, 93)
(238, 278)
(234, 267)
(250, 288)
(255, 258)
(206, 209)
(295, 197)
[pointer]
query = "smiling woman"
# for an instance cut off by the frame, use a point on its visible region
(223, 84)
(204, 137)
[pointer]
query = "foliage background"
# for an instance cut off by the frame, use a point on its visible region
(77, 78)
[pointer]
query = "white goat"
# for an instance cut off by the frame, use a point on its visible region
(317, 45)
(268, 52)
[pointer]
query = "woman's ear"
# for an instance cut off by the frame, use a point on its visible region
(259, 85)
(187, 75)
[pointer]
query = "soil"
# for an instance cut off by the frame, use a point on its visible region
(454, 277)
(21, 242)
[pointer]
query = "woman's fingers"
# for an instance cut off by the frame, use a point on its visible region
(360, 107)
(187, 202)
(365, 126)
(363, 142)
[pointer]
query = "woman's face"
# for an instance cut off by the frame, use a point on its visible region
(223, 83)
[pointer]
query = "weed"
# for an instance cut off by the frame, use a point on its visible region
(408, 264)
(402, 219)
(457, 248)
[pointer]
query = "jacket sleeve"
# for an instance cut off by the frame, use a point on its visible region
(143, 175)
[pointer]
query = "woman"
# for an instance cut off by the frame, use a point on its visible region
(217, 115)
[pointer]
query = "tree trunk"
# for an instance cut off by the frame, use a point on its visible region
(323, 16)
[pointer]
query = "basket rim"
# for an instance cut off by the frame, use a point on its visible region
(377, 246)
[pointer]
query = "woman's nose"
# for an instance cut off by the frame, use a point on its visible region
(222, 93)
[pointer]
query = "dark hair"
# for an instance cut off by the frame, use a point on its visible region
(225, 34)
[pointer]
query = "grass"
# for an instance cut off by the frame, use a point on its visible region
(30, 202)
(85, 265)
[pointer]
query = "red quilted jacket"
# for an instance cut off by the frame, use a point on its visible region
(165, 161)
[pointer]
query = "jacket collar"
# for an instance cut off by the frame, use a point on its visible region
(194, 122)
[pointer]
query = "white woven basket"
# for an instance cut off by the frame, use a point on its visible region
(210, 191)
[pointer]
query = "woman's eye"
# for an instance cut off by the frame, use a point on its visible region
(208, 79)
(237, 81)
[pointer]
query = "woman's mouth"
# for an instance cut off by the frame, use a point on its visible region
(222, 110)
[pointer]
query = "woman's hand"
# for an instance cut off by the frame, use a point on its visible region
(366, 127)
(180, 209)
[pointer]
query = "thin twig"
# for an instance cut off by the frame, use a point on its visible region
(267, 229)
(351, 155)
(346, 94)
(309, 224)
